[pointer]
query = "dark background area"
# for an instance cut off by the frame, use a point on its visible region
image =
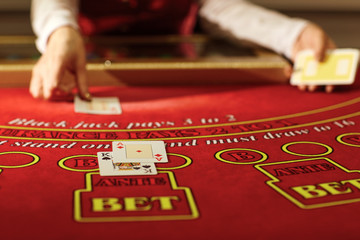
(339, 19)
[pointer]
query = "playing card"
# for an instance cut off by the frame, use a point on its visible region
(109, 168)
(339, 68)
(139, 151)
(98, 105)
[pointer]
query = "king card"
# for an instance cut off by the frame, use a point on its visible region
(139, 151)
(338, 68)
(108, 167)
(98, 105)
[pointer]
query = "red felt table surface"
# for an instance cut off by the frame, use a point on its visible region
(245, 162)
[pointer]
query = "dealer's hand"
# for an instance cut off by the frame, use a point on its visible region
(61, 68)
(313, 37)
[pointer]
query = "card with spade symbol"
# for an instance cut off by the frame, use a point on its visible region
(139, 151)
(109, 168)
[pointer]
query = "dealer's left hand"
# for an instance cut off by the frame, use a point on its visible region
(313, 37)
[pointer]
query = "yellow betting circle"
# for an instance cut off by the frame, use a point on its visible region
(285, 149)
(218, 156)
(187, 163)
(35, 159)
(339, 139)
(63, 160)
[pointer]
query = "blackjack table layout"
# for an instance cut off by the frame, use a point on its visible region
(250, 157)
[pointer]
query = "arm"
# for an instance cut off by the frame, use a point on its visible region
(247, 22)
(62, 48)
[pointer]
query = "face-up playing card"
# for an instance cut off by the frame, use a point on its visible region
(108, 167)
(338, 68)
(98, 105)
(139, 151)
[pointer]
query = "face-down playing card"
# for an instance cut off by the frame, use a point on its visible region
(139, 151)
(109, 168)
(338, 68)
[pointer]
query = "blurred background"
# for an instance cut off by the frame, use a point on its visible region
(340, 18)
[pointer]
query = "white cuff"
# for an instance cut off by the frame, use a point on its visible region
(290, 33)
(59, 20)
(48, 15)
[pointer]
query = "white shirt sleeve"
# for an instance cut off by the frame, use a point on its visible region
(248, 22)
(48, 15)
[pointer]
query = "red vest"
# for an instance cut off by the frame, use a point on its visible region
(137, 16)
